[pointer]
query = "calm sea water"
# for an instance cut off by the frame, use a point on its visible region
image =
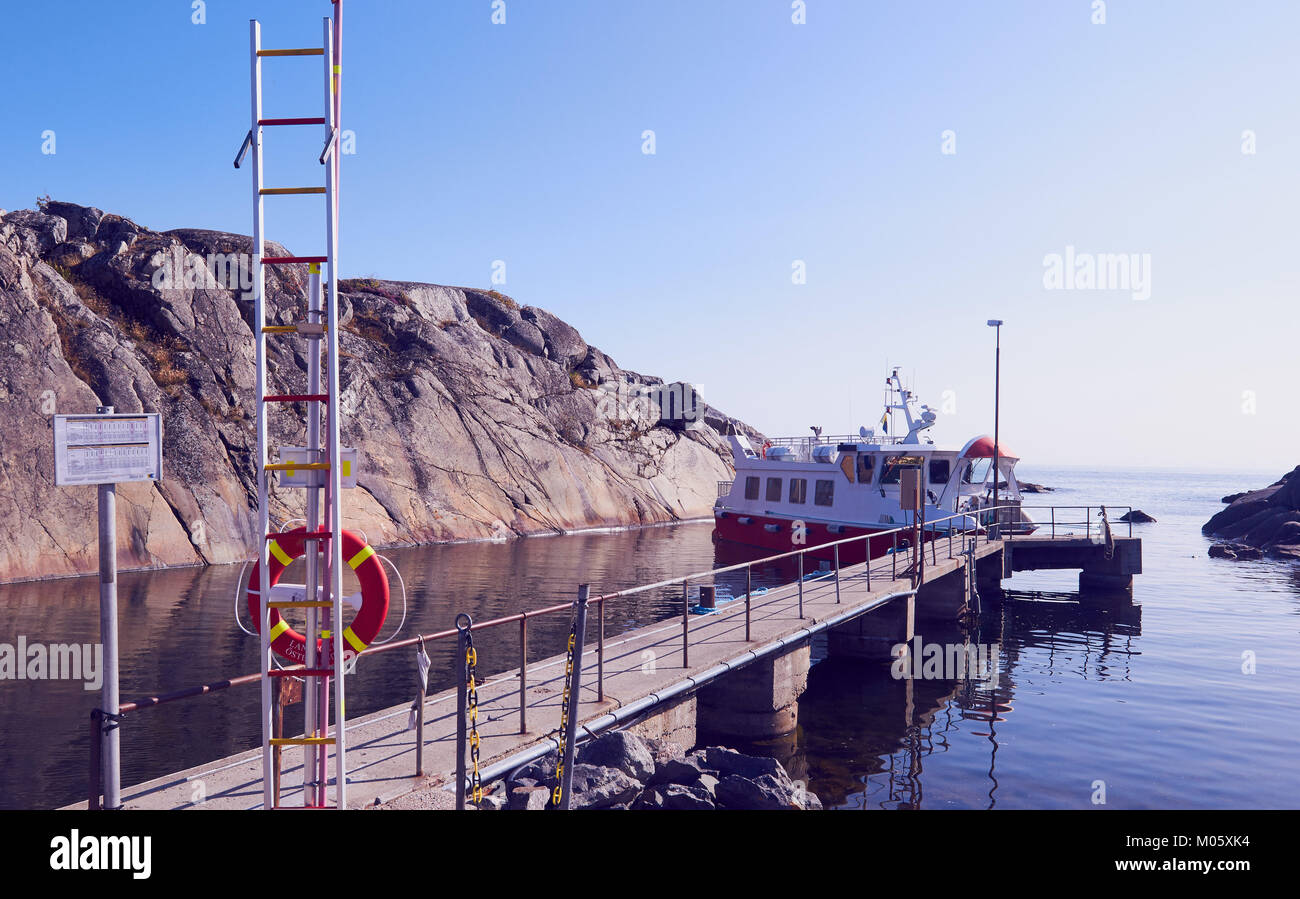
(1145, 699)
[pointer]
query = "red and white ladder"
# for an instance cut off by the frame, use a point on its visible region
(323, 597)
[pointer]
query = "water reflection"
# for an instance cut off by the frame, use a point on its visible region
(866, 737)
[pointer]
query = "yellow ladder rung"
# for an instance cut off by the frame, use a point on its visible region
(301, 327)
(300, 604)
(294, 466)
(283, 191)
(302, 741)
(304, 51)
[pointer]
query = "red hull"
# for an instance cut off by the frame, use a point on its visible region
(728, 526)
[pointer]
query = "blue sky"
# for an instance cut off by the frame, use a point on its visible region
(774, 142)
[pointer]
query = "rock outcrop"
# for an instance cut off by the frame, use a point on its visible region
(1259, 522)
(474, 417)
(620, 770)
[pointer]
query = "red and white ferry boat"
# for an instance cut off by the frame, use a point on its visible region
(806, 491)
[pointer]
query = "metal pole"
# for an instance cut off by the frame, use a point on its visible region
(96, 758)
(686, 624)
(523, 675)
(749, 595)
(893, 559)
(800, 585)
(600, 653)
(997, 394)
(109, 704)
(462, 682)
(419, 713)
(579, 633)
(837, 574)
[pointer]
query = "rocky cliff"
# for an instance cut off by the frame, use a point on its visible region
(474, 417)
(1260, 522)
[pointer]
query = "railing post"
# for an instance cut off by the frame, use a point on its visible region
(686, 624)
(866, 542)
(575, 697)
(893, 559)
(1053, 522)
(523, 674)
(800, 584)
(749, 595)
(96, 756)
(600, 652)
(422, 686)
(462, 680)
(837, 574)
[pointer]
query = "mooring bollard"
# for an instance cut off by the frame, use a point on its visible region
(462, 682)
(708, 597)
(575, 699)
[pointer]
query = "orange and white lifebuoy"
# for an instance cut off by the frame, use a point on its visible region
(357, 555)
(766, 446)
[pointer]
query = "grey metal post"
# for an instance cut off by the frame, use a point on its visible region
(109, 702)
(837, 574)
(800, 585)
(686, 624)
(749, 595)
(462, 680)
(579, 632)
(419, 713)
(523, 674)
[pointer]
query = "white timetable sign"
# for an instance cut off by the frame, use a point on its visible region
(107, 449)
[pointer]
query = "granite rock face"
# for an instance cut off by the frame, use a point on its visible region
(1259, 523)
(474, 418)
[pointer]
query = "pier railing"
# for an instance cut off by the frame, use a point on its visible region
(903, 559)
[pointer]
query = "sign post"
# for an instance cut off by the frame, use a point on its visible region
(106, 449)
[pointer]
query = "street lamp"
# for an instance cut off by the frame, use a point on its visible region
(996, 325)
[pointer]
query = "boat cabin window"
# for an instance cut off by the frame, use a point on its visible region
(751, 488)
(773, 490)
(825, 495)
(890, 473)
(977, 471)
(799, 490)
(846, 466)
(866, 464)
(939, 471)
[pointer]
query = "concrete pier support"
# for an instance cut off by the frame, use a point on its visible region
(944, 597)
(873, 635)
(673, 721)
(759, 700)
(989, 572)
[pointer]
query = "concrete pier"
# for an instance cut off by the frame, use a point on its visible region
(747, 670)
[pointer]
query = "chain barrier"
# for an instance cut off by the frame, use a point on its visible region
(471, 660)
(558, 793)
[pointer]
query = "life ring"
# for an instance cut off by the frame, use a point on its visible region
(766, 447)
(361, 558)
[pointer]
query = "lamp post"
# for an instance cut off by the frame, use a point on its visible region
(996, 325)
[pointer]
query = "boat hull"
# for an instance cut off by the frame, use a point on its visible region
(757, 531)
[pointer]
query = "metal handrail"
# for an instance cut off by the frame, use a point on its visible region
(522, 618)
